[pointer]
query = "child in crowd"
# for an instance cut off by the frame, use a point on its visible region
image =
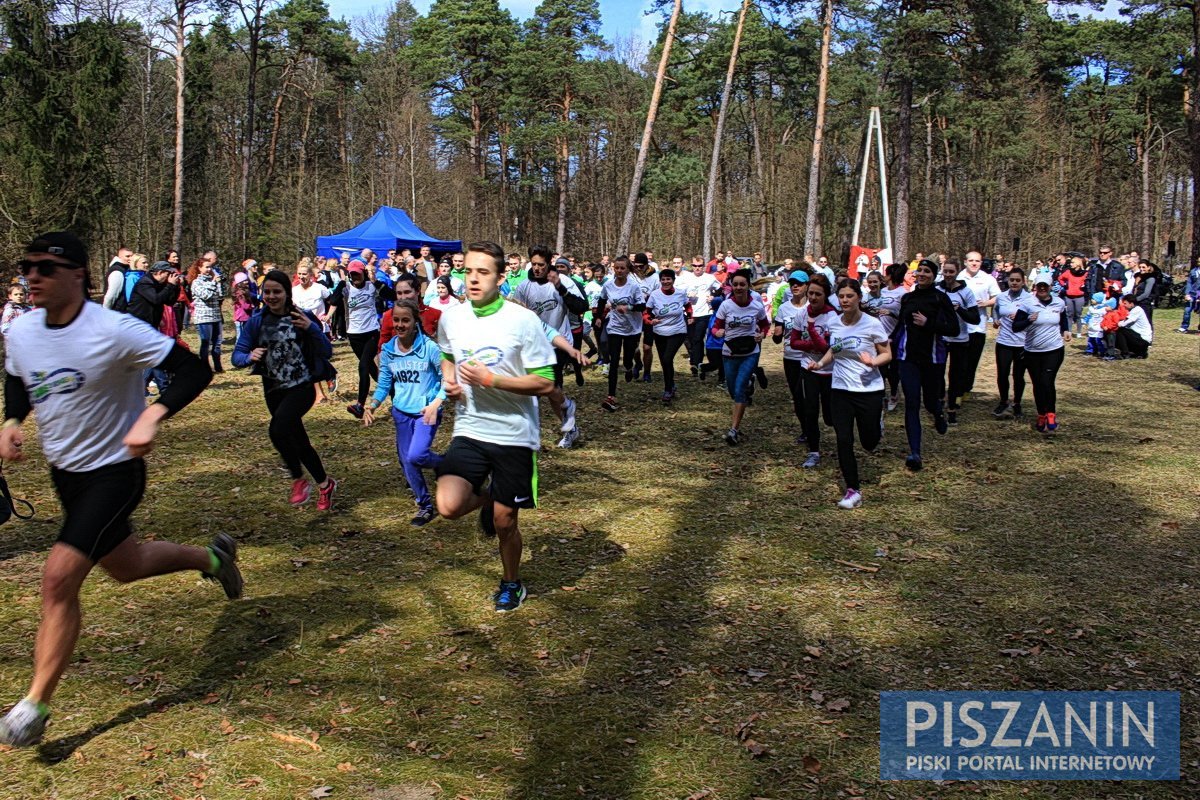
(15, 307)
(713, 345)
(1093, 317)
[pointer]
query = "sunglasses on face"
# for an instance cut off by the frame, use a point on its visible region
(44, 268)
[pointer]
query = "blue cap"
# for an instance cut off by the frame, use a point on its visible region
(1099, 297)
(800, 276)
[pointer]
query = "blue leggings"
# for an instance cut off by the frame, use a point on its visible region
(413, 442)
(921, 383)
(739, 372)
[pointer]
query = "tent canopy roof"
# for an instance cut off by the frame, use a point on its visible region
(387, 228)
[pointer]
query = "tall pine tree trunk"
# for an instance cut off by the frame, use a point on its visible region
(903, 169)
(713, 167)
(181, 9)
(564, 168)
(639, 168)
(1192, 101)
(814, 166)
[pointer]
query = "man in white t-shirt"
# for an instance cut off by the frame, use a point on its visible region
(986, 290)
(71, 361)
(309, 295)
(496, 362)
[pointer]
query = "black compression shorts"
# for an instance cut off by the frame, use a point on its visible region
(513, 469)
(97, 504)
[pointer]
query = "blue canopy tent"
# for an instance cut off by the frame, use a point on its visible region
(387, 228)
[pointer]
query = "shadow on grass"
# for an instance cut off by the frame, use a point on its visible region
(245, 634)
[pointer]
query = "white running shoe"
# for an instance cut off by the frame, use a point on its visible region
(569, 439)
(853, 499)
(568, 424)
(892, 402)
(812, 462)
(23, 726)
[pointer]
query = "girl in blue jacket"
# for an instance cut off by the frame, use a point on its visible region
(410, 369)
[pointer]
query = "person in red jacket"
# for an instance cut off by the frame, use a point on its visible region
(406, 289)
(1074, 283)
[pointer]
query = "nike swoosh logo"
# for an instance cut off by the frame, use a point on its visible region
(520, 499)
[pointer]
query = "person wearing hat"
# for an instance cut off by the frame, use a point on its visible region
(152, 294)
(1044, 321)
(75, 360)
(784, 323)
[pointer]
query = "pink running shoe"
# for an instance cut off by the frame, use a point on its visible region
(301, 491)
(325, 495)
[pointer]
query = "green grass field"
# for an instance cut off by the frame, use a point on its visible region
(700, 625)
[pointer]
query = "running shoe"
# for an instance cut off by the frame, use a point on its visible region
(1181, 329)
(637, 373)
(761, 374)
(1000, 411)
(569, 438)
(24, 725)
(325, 495)
(1051, 423)
(812, 462)
(579, 379)
(702, 373)
(1016, 411)
(301, 491)
(1040, 424)
(802, 439)
(892, 402)
(913, 462)
(939, 424)
(609, 404)
(332, 385)
(666, 398)
(568, 424)
(952, 417)
(487, 519)
(733, 437)
(695, 372)
(224, 547)
(647, 378)
(853, 499)
(356, 410)
(628, 375)
(509, 596)
(423, 517)
(721, 384)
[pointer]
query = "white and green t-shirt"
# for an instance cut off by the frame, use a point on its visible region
(510, 341)
(627, 322)
(786, 316)
(671, 309)
(847, 342)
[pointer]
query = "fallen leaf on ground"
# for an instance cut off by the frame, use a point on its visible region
(290, 739)
(811, 764)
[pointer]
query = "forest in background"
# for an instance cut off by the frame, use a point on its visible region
(1004, 119)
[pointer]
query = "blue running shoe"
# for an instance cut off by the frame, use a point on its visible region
(509, 597)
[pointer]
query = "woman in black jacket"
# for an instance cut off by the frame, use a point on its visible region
(926, 315)
(1145, 286)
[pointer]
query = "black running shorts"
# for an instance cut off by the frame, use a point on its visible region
(647, 336)
(97, 504)
(513, 469)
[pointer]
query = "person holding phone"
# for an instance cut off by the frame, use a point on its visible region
(287, 347)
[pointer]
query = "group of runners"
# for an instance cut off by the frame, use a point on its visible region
(515, 328)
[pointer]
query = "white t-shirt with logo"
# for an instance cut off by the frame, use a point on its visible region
(846, 342)
(84, 381)
(741, 321)
(510, 342)
(623, 323)
(822, 323)
(699, 290)
(311, 299)
(544, 300)
(670, 309)
(360, 308)
(891, 304)
(786, 316)
(984, 287)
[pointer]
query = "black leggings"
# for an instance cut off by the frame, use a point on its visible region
(288, 407)
(815, 406)
(922, 383)
(974, 352)
(667, 347)
(697, 331)
(957, 364)
(1010, 360)
(1043, 370)
(618, 344)
(715, 363)
(865, 410)
(365, 346)
(792, 371)
(891, 371)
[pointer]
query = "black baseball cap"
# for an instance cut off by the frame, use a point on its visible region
(62, 244)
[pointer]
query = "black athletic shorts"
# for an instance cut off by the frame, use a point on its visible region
(513, 469)
(97, 504)
(647, 336)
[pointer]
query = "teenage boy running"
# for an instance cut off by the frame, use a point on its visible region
(77, 362)
(496, 362)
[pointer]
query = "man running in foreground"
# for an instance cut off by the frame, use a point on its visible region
(496, 362)
(80, 366)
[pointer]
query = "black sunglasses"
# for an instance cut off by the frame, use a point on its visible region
(44, 268)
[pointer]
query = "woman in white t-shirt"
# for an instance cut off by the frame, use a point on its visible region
(742, 320)
(889, 317)
(810, 338)
(858, 347)
(785, 323)
(362, 329)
